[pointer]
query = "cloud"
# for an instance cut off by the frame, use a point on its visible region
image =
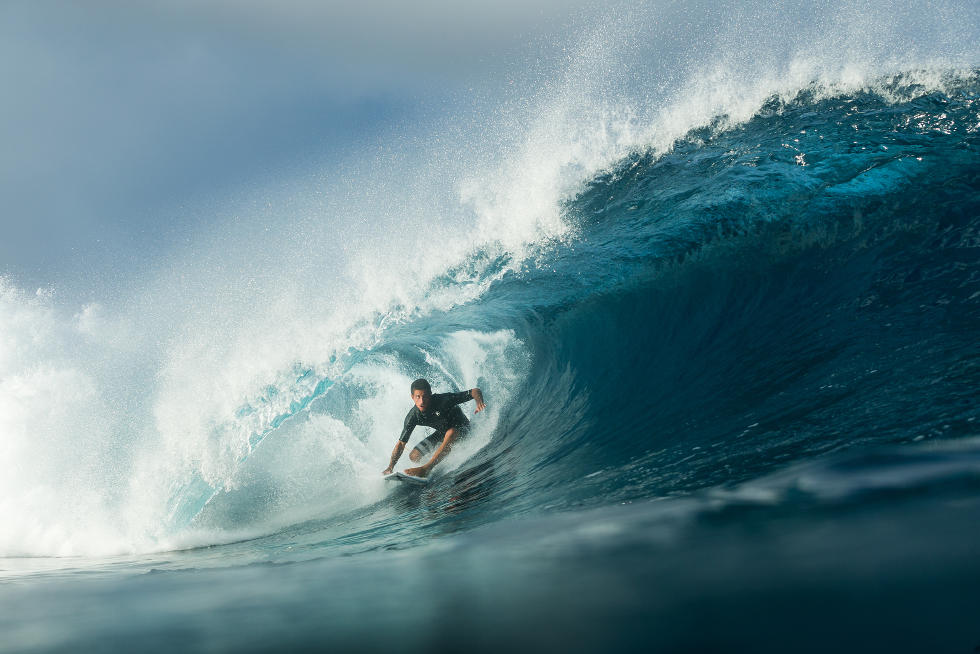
(114, 111)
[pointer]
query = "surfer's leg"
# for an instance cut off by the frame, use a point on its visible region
(427, 446)
(443, 450)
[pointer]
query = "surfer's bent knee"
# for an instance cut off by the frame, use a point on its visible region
(415, 455)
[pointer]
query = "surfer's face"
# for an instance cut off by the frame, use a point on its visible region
(421, 399)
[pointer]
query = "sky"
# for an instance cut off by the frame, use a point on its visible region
(126, 125)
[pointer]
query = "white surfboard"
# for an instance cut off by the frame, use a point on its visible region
(410, 479)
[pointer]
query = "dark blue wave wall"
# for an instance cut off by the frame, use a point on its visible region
(803, 283)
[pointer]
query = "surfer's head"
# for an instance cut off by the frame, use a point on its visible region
(421, 394)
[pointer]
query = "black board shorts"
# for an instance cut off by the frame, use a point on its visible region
(431, 442)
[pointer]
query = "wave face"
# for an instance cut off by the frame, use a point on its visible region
(770, 325)
(760, 295)
(798, 285)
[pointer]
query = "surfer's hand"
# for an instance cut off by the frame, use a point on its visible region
(478, 396)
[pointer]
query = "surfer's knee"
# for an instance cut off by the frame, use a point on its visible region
(415, 455)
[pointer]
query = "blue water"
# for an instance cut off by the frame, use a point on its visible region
(733, 407)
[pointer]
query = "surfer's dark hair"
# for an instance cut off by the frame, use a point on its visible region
(421, 385)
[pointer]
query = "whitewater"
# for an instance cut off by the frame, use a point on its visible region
(723, 300)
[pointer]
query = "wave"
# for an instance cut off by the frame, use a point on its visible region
(649, 311)
(691, 335)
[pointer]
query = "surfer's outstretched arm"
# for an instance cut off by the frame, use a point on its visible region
(395, 455)
(402, 441)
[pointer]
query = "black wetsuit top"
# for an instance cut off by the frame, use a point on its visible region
(442, 414)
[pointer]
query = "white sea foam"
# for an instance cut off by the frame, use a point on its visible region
(58, 430)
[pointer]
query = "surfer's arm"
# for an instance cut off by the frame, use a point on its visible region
(477, 395)
(402, 441)
(395, 455)
(466, 396)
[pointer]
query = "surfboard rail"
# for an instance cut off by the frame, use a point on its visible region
(410, 479)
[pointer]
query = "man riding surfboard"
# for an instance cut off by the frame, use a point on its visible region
(440, 412)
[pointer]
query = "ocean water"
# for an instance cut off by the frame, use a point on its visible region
(729, 345)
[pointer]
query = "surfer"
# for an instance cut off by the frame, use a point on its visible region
(439, 412)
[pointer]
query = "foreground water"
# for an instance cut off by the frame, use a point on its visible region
(733, 406)
(801, 560)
